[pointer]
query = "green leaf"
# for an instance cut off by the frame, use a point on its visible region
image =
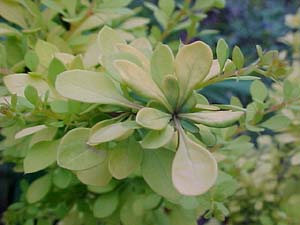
(238, 57)
(170, 87)
(230, 67)
(40, 156)
(156, 170)
(152, 118)
(213, 119)
(105, 205)
(55, 67)
(31, 94)
(39, 189)
(156, 139)
(59, 106)
(62, 178)
(222, 53)
(139, 81)
(125, 158)
(162, 64)
(95, 176)
(102, 132)
(194, 169)
(167, 6)
(91, 87)
(192, 64)
(258, 91)
(31, 60)
(206, 135)
(276, 123)
(75, 154)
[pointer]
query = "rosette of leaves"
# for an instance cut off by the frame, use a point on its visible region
(156, 103)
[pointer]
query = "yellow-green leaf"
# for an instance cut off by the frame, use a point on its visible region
(105, 205)
(125, 158)
(214, 119)
(192, 64)
(39, 189)
(75, 154)
(194, 169)
(162, 64)
(152, 118)
(139, 81)
(156, 170)
(40, 156)
(101, 133)
(156, 139)
(95, 176)
(88, 86)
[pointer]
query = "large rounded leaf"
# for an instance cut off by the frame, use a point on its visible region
(152, 118)
(40, 156)
(95, 176)
(75, 154)
(88, 86)
(194, 169)
(192, 64)
(156, 170)
(214, 119)
(125, 158)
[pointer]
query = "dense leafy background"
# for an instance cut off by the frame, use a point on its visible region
(245, 23)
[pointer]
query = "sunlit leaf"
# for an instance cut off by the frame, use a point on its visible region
(134, 76)
(214, 119)
(194, 169)
(152, 118)
(125, 158)
(91, 87)
(29, 131)
(192, 64)
(96, 176)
